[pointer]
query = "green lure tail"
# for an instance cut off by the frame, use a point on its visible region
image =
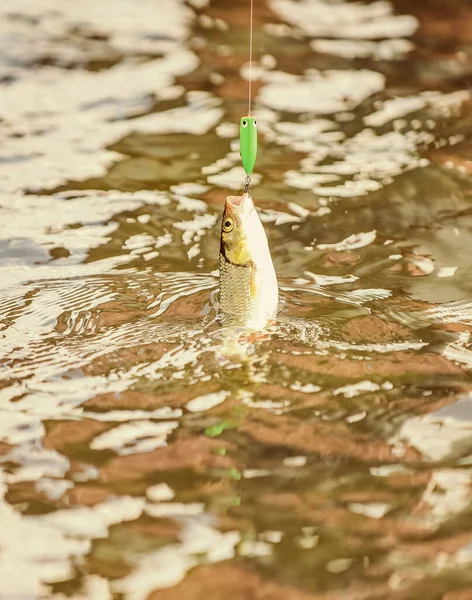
(248, 143)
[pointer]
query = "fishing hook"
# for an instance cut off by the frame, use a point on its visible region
(247, 181)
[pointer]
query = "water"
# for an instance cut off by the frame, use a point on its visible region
(143, 456)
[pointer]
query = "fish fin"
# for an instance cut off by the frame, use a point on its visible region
(253, 283)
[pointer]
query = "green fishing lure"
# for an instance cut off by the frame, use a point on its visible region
(248, 143)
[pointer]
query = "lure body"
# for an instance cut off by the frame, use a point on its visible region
(248, 143)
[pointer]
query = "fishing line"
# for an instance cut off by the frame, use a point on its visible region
(250, 60)
(248, 124)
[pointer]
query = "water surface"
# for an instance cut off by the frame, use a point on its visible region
(143, 456)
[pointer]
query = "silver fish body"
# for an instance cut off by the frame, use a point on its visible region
(248, 284)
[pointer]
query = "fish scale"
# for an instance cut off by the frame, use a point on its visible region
(236, 304)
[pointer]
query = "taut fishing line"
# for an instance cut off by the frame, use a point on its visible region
(248, 125)
(250, 61)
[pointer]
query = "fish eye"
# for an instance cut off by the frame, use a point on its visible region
(227, 224)
(244, 123)
(255, 124)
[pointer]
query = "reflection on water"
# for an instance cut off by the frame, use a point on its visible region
(148, 454)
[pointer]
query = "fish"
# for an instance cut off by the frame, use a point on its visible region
(248, 294)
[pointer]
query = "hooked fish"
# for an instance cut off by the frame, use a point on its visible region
(248, 283)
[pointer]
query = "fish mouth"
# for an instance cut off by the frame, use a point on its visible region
(242, 204)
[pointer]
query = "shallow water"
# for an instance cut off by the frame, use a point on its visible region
(143, 455)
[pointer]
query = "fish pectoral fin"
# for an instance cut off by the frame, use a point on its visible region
(253, 281)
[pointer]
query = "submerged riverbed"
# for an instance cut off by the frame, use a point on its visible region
(142, 457)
